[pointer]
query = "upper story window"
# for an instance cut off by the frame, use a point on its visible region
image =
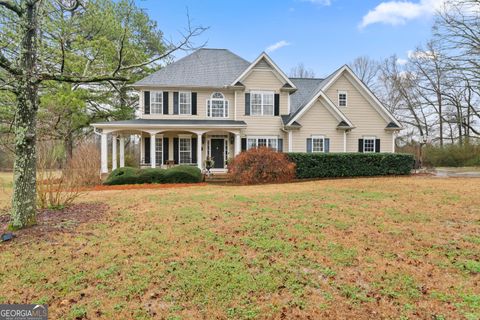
(156, 102)
(342, 98)
(217, 106)
(185, 102)
(262, 103)
(369, 144)
(318, 144)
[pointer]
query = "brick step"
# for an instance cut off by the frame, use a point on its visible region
(219, 177)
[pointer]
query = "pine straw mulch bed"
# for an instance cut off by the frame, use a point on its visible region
(51, 221)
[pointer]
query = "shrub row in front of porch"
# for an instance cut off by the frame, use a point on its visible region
(179, 174)
(328, 165)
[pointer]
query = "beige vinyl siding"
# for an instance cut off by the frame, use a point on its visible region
(202, 96)
(262, 79)
(367, 121)
(317, 121)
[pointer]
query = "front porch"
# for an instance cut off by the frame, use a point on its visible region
(165, 146)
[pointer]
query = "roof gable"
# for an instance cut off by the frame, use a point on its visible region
(263, 61)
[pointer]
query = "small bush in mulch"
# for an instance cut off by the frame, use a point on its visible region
(261, 165)
(179, 174)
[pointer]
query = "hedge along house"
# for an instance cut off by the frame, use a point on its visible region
(212, 103)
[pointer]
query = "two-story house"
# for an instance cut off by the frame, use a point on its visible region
(213, 103)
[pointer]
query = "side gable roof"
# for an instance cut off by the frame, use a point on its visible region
(329, 81)
(265, 56)
(203, 68)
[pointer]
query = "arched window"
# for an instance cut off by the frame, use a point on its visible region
(217, 106)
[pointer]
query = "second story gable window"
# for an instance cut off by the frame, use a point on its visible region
(185, 103)
(262, 103)
(217, 106)
(342, 98)
(156, 102)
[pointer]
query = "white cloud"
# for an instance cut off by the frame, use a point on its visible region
(278, 45)
(320, 2)
(402, 62)
(417, 54)
(400, 12)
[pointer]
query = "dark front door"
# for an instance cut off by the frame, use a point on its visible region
(218, 153)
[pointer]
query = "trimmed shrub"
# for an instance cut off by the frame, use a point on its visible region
(261, 165)
(180, 174)
(183, 174)
(125, 175)
(322, 165)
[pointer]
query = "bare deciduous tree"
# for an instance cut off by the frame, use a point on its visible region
(300, 71)
(366, 69)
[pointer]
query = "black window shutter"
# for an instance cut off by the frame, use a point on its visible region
(309, 145)
(244, 144)
(194, 150)
(146, 102)
(165, 102)
(377, 145)
(327, 145)
(277, 104)
(247, 104)
(165, 150)
(147, 149)
(175, 150)
(280, 145)
(360, 145)
(175, 103)
(194, 103)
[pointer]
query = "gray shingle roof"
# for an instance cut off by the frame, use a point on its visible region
(203, 68)
(305, 89)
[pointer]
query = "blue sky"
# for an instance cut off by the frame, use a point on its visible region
(322, 34)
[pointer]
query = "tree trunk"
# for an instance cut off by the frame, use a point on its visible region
(24, 188)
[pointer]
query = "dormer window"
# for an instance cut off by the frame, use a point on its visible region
(217, 106)
(342, 98)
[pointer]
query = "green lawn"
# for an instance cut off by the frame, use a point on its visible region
(400, 248)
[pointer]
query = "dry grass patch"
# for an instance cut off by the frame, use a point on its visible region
(354, 248)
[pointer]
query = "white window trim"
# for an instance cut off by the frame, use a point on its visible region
(157, 159)
(226, 105)
(179, 103)
(262, 137)
(186, 137)
(323, 143)
(262, 93)
(346, 98)
(374, 138)
(161, 104)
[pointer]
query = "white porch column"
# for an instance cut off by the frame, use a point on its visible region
(290, 138)
(114, 152)
(344, 140)
(153, 142)
(122, 151)
(103, 154)
(238, 143)
(199, 151)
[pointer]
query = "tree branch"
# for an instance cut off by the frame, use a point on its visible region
(76, 79)
(12, 6)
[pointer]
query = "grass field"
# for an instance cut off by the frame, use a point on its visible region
(394, 248)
